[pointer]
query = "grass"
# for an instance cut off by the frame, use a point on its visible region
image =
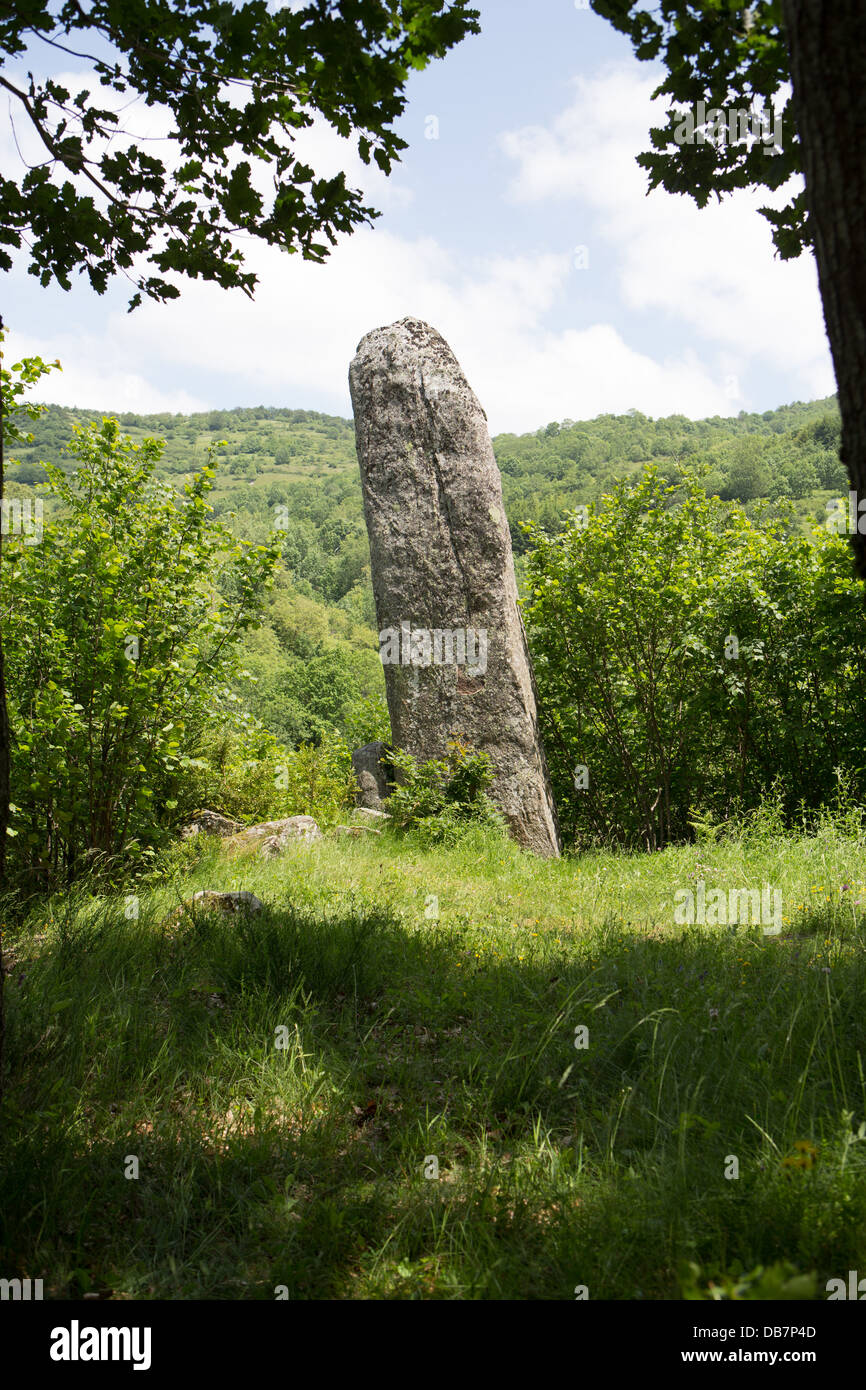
(285, 1081)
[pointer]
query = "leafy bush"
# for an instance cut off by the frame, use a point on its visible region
(246, 774)
(121, 644)
(687, 658)
(441, 799)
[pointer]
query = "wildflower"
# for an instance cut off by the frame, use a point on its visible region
(805, 1156)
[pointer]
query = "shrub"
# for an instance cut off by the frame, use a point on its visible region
(687, 658)
(246, 774)
(441, 799)
(122, 629)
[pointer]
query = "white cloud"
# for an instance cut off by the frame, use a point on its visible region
(93, 377)
(713, 269)
(723, 306)
(296, 340)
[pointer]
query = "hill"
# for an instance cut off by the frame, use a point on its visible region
(314, 663)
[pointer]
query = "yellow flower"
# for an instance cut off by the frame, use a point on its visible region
(804, 1157)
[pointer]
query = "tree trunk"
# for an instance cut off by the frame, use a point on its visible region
(4, 761)
(827, 52)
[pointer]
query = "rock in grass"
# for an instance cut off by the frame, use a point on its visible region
(373, 774)
(210, 823)
(236, 901)
(211, 900)
(272, 837)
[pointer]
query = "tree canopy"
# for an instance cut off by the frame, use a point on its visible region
(721, 56)
(238, 81)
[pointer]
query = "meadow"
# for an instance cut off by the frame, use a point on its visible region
(457, 1073)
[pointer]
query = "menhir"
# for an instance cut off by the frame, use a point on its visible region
(451, 636)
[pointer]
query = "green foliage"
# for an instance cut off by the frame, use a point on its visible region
(248, 775)
(14, 383)
(320, 781)
(306, 463)
(747, 473)
(237, 81)
(732, 57)
(440, 799)
(781, 1280)
(121, 644)
(689, 659)
(312, 669)
(369, 722)
(322, 688)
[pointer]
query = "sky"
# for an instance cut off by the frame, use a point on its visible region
(517, 224)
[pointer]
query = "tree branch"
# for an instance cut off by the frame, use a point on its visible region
(52, 149)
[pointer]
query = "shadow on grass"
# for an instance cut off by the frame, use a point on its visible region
(594, 1114)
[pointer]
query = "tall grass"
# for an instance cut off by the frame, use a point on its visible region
(285, 1081)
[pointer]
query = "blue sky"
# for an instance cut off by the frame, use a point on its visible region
(663, 308)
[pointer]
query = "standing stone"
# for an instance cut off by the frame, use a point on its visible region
(451, 636)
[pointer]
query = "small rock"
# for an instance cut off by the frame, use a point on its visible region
(210, 899)
(272, 836)
(237, 901)
(369, 814)
(355, 830)
(210, 823)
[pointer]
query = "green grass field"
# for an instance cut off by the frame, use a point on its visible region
(427, 1003)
